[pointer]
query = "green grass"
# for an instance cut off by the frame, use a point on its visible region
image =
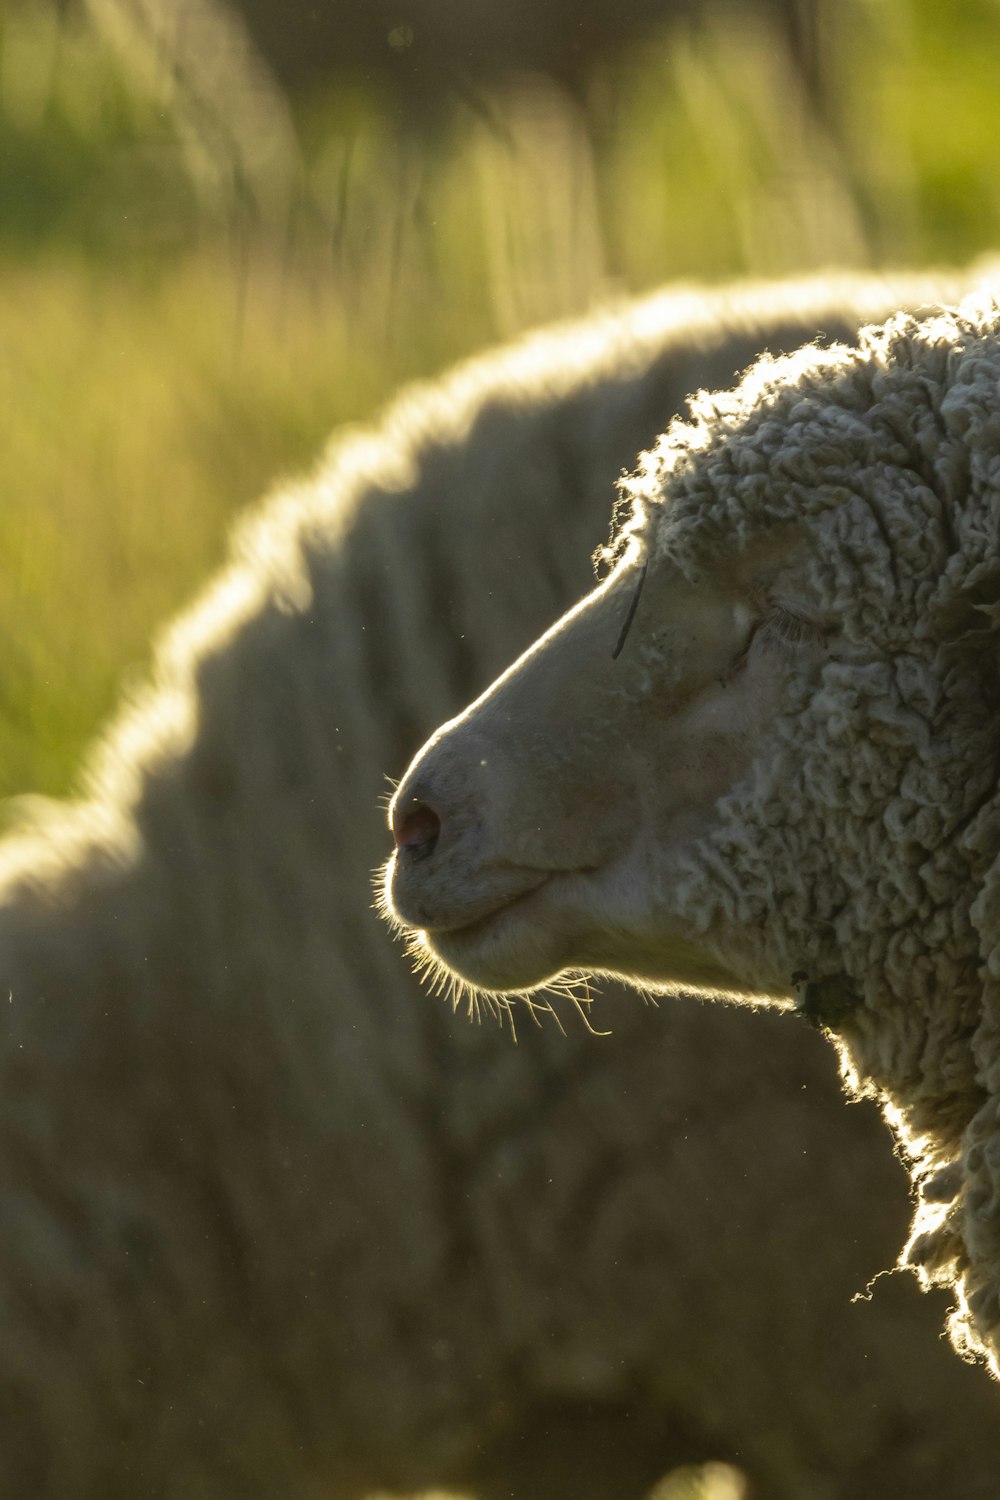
(176, 334)
(136, 416)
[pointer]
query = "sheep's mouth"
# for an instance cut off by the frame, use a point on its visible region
(521, 928)
(483, 920)
(515, 945)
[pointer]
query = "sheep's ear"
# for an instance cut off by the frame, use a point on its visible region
(980, 839)
(964, 621)
(990, 612)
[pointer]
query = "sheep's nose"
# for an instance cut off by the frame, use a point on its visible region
(416, 829)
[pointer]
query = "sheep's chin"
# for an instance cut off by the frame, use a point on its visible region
(519, 946)
(574, 922)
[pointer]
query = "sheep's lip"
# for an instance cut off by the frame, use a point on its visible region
(504, 948)
(472, 927)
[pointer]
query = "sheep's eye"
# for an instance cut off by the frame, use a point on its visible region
(776, 626)
(781, 625)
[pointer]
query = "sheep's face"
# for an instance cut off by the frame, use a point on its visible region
(547, 827)
(768, 777)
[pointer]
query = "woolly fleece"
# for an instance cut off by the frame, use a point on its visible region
(864, 850)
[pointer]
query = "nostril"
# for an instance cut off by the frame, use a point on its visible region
(416, 830)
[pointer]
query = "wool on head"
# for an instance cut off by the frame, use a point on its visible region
(864, 847)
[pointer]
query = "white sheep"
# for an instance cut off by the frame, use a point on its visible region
(272, 1225)
(762, 758)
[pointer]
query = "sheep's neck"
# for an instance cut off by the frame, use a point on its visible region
(915, 1053)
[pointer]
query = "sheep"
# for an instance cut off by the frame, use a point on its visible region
(761, 758)
(273, 1225)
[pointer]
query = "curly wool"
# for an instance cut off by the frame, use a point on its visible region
(865, 850)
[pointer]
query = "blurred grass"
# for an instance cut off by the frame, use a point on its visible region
(187, 311)
(711, 1481)
(138, 414)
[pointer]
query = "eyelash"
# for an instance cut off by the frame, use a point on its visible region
(790, 629)
(781, 627)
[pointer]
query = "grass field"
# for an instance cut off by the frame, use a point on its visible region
(170, 347)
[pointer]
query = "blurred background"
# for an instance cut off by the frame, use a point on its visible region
(228, 225)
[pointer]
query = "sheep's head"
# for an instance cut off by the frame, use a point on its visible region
(784, 782)
(556, 824)
(761, 780)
